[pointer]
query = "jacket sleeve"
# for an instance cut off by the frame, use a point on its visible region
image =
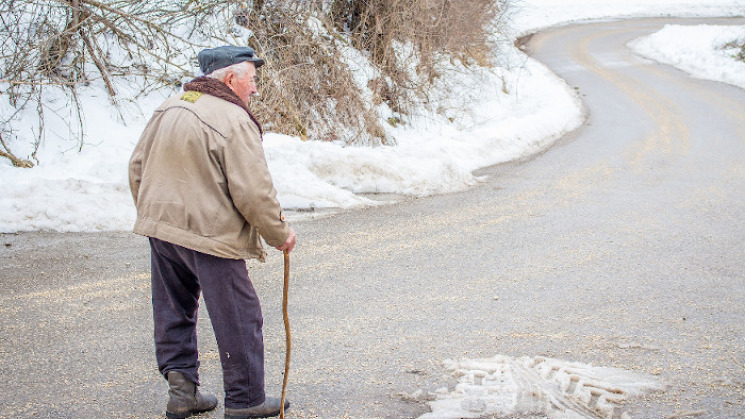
(135, 171)
(250, 184)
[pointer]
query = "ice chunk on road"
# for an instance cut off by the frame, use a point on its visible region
(528, 386)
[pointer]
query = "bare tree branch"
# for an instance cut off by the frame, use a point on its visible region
(308, 88)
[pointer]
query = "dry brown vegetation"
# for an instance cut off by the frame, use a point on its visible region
(740, 46)
(50, 44)
(308, 88)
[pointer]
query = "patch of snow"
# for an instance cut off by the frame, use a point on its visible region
(705, 54)
(506, 386)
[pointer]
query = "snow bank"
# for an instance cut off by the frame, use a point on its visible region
(505, 113)
(534, 15)
(704, 54)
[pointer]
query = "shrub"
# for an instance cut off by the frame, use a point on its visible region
(308, 88)
(54, 44)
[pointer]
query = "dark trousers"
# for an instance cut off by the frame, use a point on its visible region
(178, 277)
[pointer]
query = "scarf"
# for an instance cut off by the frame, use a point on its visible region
(218, 89)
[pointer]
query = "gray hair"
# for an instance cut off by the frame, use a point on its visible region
(239, 70)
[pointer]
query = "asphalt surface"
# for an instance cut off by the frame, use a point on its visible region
(623, 246)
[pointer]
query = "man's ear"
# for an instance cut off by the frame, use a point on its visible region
(228, 79)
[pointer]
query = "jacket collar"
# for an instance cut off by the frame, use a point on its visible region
(216, 88)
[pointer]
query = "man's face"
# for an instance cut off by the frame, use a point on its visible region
(244, 86)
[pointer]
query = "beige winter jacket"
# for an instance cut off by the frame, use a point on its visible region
(199, 179)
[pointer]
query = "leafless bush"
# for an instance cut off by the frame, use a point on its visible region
(436, 30)
(308, 89)
(63, 44)
(307, 86)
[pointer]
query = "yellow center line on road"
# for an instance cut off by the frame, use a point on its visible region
(735, 110)
(671, 135)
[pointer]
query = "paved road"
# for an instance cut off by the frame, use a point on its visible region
(623, 246)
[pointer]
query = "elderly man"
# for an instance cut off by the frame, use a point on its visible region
(204, 196)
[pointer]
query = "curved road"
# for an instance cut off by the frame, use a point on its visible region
(623, 245)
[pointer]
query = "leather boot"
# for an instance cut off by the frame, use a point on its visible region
(185, 399)
(269, 408)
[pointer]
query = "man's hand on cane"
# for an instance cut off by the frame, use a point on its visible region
(289, 244)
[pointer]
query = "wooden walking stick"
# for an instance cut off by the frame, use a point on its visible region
(288, 340)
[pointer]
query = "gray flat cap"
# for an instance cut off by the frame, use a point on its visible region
(220, 57)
